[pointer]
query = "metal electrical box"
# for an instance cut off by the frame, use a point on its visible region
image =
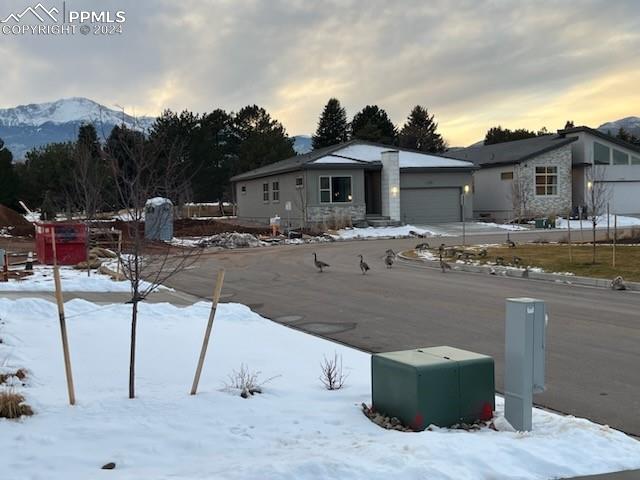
(439, 385)
(525, 348)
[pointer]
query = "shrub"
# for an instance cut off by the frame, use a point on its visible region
(12, 405)
(332, 376)
(245, 381)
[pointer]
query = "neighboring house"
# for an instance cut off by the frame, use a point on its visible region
(548, 175)
(356, 181)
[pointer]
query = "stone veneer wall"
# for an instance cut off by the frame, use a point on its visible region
(544, 205)
(336, 212)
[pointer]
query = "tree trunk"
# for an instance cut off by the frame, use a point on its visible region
(132, 358)
(594, 243)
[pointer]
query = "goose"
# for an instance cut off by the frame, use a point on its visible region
(422, 246)
(444, 266)
(511, 244)
(618, 283)
(318, 263)
(388, 260)
(363, 265)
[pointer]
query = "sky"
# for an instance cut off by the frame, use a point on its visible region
(474, 64)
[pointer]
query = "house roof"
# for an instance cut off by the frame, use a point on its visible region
(506, 153)
(598, 133)
(355, 153)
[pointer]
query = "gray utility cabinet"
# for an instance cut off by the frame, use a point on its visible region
(158, 219)
(525, 348)
(439, 385)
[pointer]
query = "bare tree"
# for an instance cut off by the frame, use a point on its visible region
(144, 168)
(598, 194)
(519, 196)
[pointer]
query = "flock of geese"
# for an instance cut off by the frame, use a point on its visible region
(389, 259)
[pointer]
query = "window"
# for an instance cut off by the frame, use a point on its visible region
(620, 158)
(276, 192)
(265, 192)
(506, 176)
(335, 189)
(243, 189)
(635, 160)
(600, 154)
(325, 189)
(299, 182)
(546, 180)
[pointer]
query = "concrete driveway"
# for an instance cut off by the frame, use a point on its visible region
(593, 336)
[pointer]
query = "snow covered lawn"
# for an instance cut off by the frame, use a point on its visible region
(384, 232)
(602, 222)
(72, 281)
(294, 430)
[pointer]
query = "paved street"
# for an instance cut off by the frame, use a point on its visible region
(593, 336)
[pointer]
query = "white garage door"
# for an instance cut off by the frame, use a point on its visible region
(430, 205)
(625, 197)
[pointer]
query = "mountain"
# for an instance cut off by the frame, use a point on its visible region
(27, 126)
(630, 124)
(302, 144)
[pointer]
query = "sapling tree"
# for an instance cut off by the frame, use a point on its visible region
(597, 198)
(144, 168)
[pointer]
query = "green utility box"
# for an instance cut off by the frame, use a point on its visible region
(439, 385)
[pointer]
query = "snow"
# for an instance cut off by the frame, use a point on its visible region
(72, 281)
(158, 202)
(384, 232)
(505, 226)
(294, 430)
(336, 159)
(370, 153)
(601, 222)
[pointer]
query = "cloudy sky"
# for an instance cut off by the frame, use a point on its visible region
(473, 63)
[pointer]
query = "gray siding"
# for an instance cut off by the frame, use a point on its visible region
(326, 213)
(252, 207)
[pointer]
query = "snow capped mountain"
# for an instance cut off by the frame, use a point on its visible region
(630, 124)
(302, 144)
(75, 109)
(27, 126)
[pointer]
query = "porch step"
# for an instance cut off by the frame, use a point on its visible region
(383, 222)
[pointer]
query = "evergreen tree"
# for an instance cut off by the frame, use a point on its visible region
(420, 132)
(258, 140)
(372, 124)
(93, 186)
(569, 124)
(498, 135)
(8, 178)
(332, 126)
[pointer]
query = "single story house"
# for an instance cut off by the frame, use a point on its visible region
(549, 174)
(357, 181)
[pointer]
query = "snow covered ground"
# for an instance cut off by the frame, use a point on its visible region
(504, 226)
(72, 281)
(602, 222)
(294, 430)
(383, 232)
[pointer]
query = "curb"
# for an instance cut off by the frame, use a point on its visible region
(520, 273)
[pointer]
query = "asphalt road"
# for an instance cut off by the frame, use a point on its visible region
(593, 364)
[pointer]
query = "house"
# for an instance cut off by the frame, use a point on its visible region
(357, 181)
(550, 174)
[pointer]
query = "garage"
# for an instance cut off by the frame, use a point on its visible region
(624, 197)
(430, 205)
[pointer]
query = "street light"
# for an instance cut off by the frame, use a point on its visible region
(465, 191)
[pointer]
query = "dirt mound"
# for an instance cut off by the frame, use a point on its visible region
(19, 226)
(189, 227)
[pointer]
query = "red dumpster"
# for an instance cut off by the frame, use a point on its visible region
(71, 243)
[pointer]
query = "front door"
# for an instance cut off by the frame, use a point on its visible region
(373, 192)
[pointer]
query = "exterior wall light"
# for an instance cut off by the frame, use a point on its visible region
(394, 191)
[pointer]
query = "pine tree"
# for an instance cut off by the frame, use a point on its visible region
(332, 126)
(8, 178)
(420, 132)
(498, 135)
(373, 124)
(569, 124)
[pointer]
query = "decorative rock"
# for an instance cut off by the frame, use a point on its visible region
(108, 466)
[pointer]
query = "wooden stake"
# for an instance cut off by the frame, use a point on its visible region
(216, 297)
(569, 226)
(615, 235)
(119, 255)
(63, 323)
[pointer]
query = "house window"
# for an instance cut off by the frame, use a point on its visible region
(546, 180)
(601, 154)
(243, 189)
(335, 190)
(299, 183)
(506, 176)
(620, 158)
(276, 192)
(265, 192)
(635, 160)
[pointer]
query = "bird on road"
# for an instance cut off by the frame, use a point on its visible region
(318, 263)
(363, 265)
(444, 266)
(388, 260)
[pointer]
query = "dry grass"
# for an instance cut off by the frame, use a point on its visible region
(555, 258)
(20, 374)
(12, 405)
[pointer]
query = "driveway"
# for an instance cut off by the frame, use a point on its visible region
(593, 335)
